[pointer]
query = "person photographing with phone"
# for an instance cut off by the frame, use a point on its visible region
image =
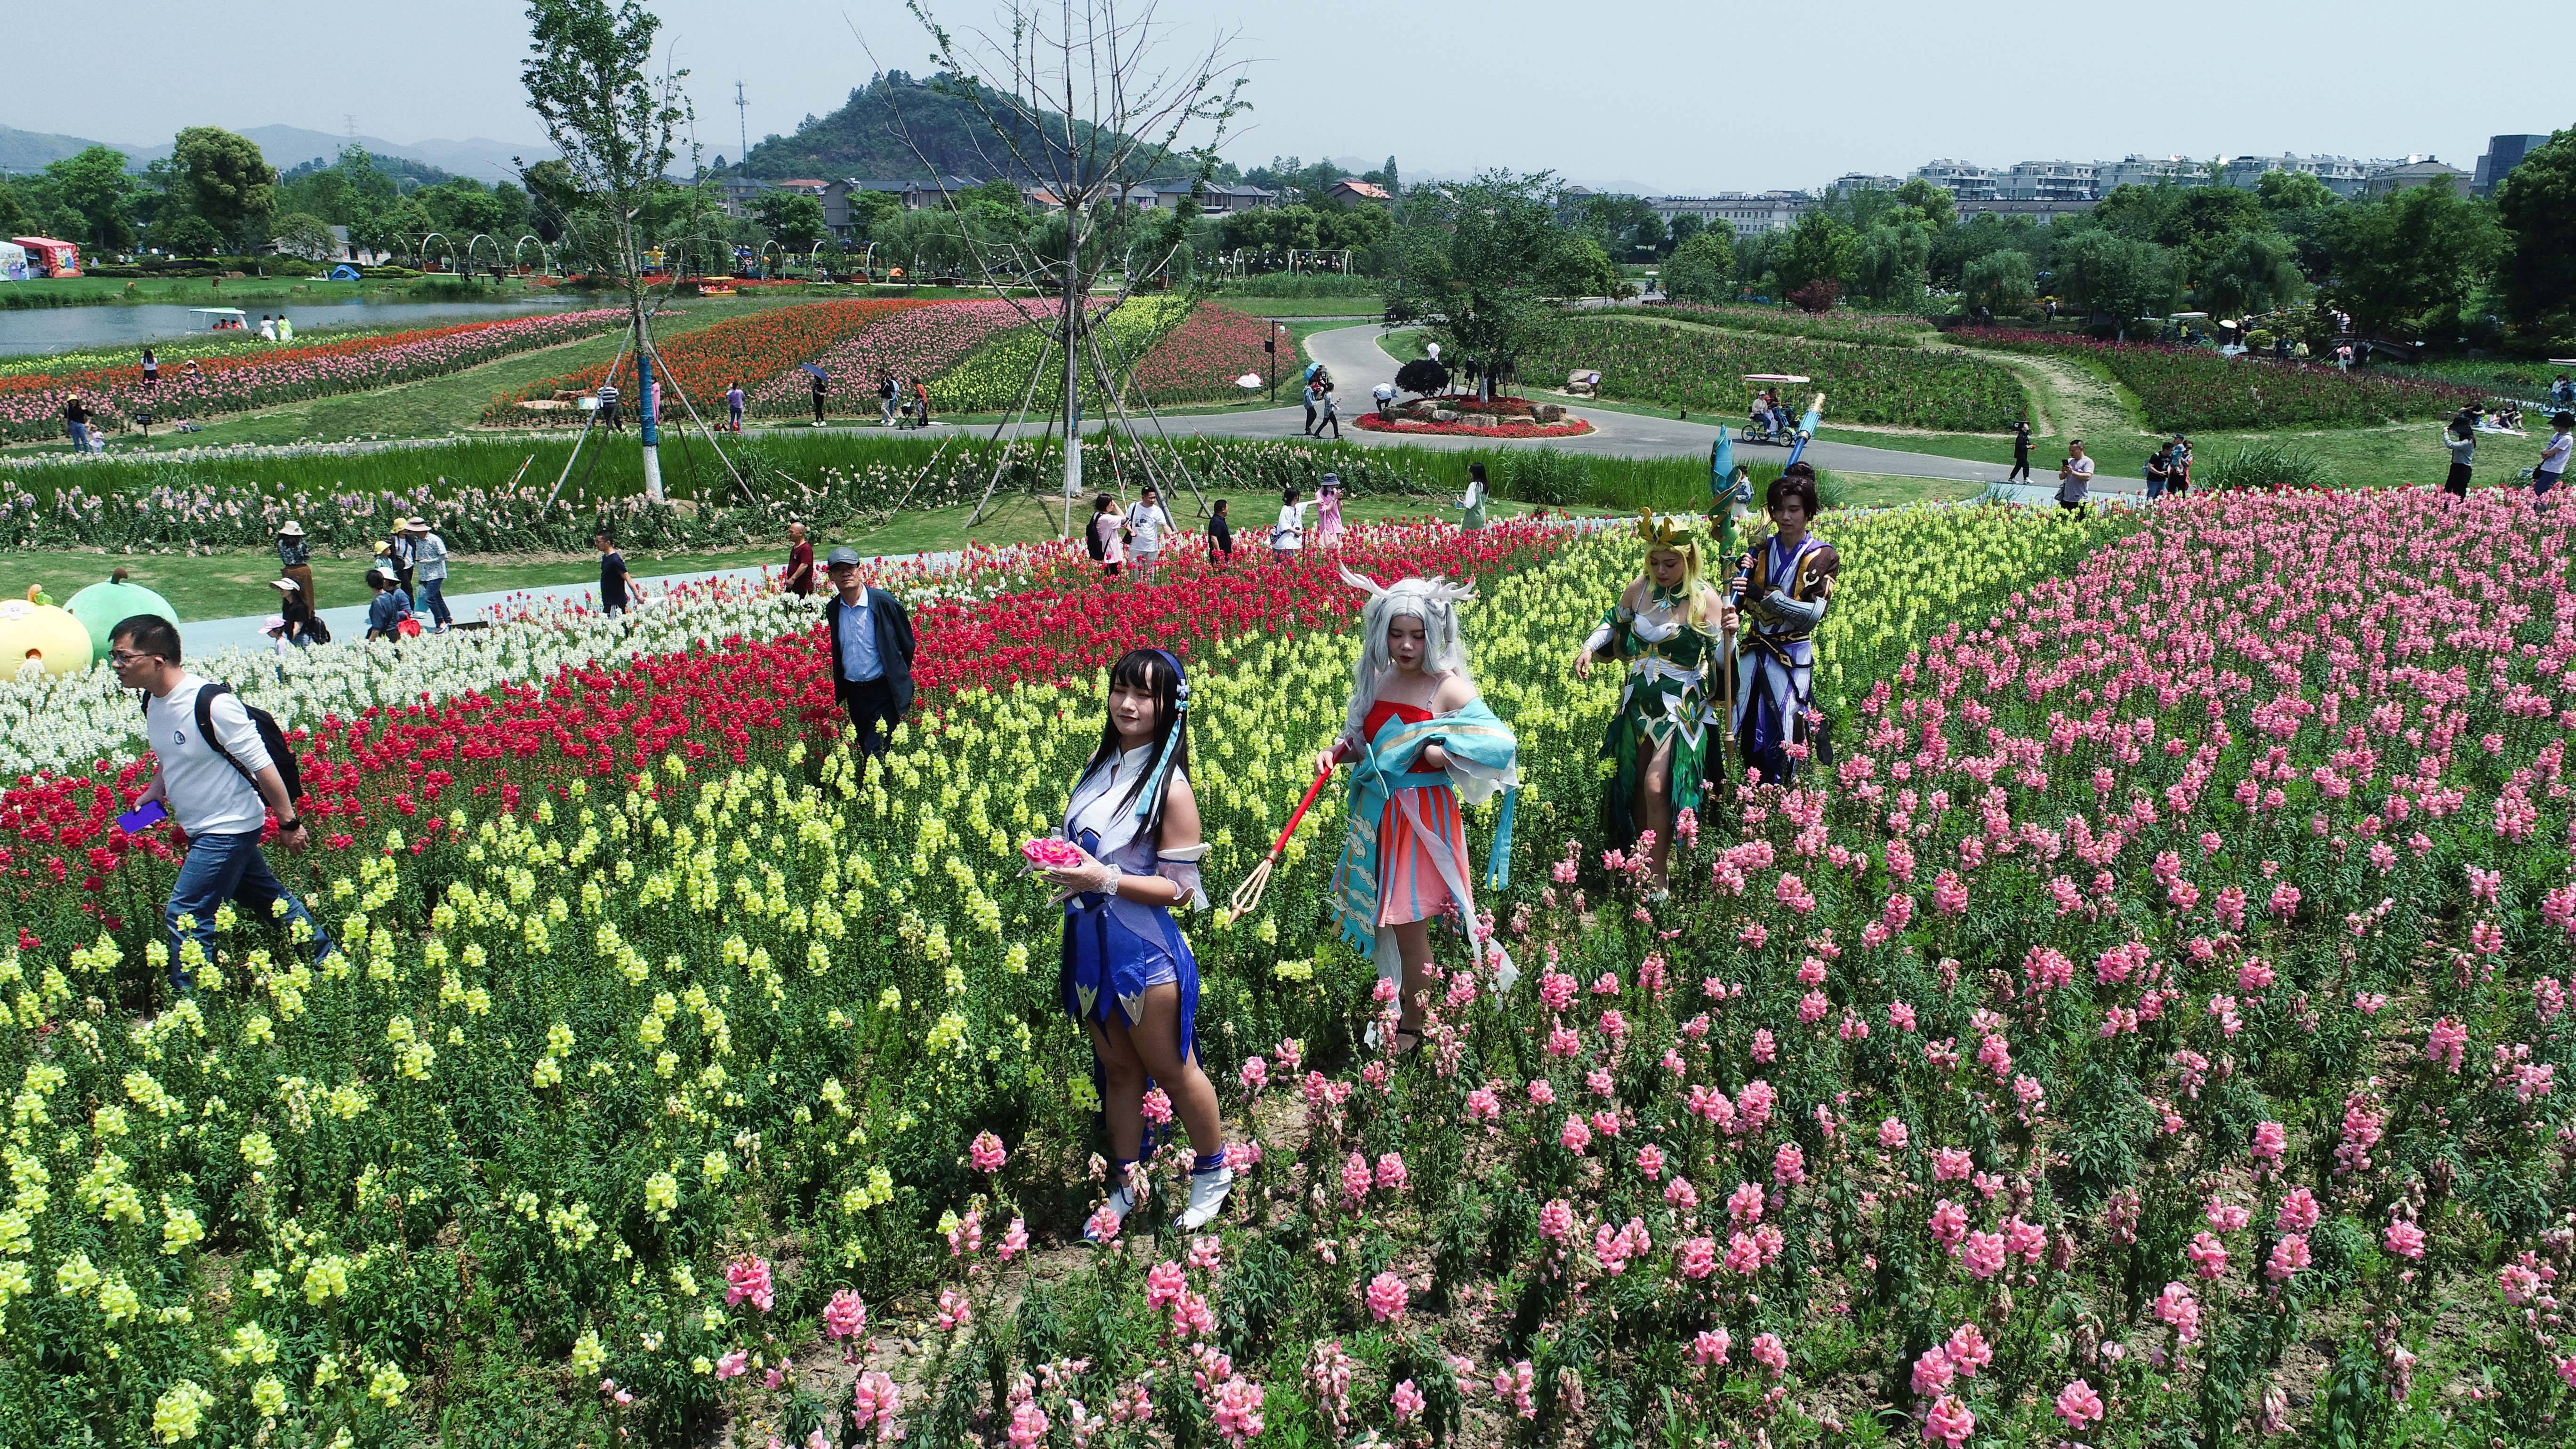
(217, 774)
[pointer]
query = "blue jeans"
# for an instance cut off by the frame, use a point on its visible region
(433, 598)
(220, 868)
(80, 436)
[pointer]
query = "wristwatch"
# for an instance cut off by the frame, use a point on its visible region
(293, 823)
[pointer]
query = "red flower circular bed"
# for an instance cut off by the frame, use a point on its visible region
(1572, 427)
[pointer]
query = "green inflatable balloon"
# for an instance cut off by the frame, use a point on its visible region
(102, 607)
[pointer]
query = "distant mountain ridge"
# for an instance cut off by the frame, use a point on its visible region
(287, 147)
(897, 128)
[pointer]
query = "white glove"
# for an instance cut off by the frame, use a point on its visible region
(1094, 875)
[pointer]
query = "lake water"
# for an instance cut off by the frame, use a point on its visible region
(61, 329)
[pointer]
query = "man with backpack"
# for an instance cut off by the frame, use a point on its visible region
(221, 768)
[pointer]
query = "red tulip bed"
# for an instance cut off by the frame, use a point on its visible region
(2194, 388)
(2143, 1031)
(1200, 360)
(709, 360)
(31, 403)
(919, 342)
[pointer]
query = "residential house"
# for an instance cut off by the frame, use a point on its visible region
(2341, 175)
(2422, 172)
(1347, 193)
(1964, 182)
(1744, 213)
(2050, 181)
(2043, 212)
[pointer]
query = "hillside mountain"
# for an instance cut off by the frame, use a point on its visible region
(287, 147)
(897, 127)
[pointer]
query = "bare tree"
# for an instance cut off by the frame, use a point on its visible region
(616, 127)
(1088, 101)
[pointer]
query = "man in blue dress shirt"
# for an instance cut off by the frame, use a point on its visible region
(871, 651)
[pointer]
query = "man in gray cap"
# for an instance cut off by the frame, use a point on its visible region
(871, 651)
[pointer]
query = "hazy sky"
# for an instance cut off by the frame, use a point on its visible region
(1668, 94)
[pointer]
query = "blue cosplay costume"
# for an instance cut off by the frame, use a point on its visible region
(1115, 949)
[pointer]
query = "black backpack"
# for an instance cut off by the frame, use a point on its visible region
(271, 738)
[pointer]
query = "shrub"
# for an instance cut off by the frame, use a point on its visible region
(1819, 296)
(2266, 466)
(1546, 477)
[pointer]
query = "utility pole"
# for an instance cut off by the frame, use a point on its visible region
(742, 115)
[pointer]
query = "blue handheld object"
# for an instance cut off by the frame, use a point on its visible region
(142, 818)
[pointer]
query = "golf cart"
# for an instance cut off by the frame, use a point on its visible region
(1770, 422)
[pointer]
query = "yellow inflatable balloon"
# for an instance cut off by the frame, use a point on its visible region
(43, 633)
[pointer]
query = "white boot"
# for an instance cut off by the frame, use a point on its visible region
(1207, 1194)
(1122, 1201)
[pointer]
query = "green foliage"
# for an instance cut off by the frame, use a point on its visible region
(228, 182)
(1701, 269)
(2537, 206)
(188, 236)
(95, 185)
(304, 234)
(1547, 477)
(1483, 261)
(2257, 272)
(1999, 283)
(1819, 249)
(2118, 278)
(2262, 466)
(794, 218)
(2406, 262)
(1701, 368)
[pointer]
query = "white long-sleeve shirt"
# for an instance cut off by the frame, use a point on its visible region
(1289, 533)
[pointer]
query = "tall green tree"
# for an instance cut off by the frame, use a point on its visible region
(228, 181)
(94, 184)
(2000, 284)
(1702, 268)
(794, 218)
(2537, 207)
(1818, 249)
(1485, 262)
(2118, 278)
(616, 128)
(2257, 272)
(2405, 263)
(305, 235)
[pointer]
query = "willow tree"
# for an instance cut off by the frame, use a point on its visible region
(617, 129)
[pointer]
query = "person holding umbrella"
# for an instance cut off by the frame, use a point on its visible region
(822, 385)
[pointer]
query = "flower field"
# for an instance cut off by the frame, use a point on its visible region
(1703, 369)
(2191, 389)
(1867, 329)
(31, 403)
(1199, 360)
(920, 341)
(1570, 427)
(709, 360)
(995, 377)
(2145, 1031)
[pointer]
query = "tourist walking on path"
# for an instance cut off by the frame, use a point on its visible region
(733, 405)
(1147, 522)
(1328, 512)
(921, 396)
(404, 556)
(800, 563)
(2074, 478)
(429, 565)
(2553, 455)
(1664, 627)
(388, 605)
(612, 575)
(1128, 976)
(295, 559)
(1332, 412)
(822, 389)
(76, 422)
(302, 628)
(1220, 532)
(2461, 437)
(2159, 471)
(871, 646)
(1423, 747)
(608, 406)
(215, 775)
(2178, 468)
(885, 397)
(1107, 534)
(2021, 453)
(1312, 397)
(1472, 506)
(1288, 535)
(1776, 601)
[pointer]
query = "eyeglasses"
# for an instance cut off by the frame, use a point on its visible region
(123, 657)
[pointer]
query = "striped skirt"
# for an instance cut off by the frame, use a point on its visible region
(1409, 887)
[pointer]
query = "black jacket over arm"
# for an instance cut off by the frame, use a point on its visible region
(895, 645)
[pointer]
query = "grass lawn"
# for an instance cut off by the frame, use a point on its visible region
(2398, 455)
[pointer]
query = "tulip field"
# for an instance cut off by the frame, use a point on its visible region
(31, 402)
(1701, 368)
(2142, 1031)
(705, 362)
(2194, 389)
(1866, 328)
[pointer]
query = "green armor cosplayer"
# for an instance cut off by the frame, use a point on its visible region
(1665, 630)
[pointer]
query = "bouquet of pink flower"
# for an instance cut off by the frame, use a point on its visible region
(1048, 852)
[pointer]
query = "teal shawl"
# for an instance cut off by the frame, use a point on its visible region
(1482, 752)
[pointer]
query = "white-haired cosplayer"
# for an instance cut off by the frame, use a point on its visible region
(1421, 745)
